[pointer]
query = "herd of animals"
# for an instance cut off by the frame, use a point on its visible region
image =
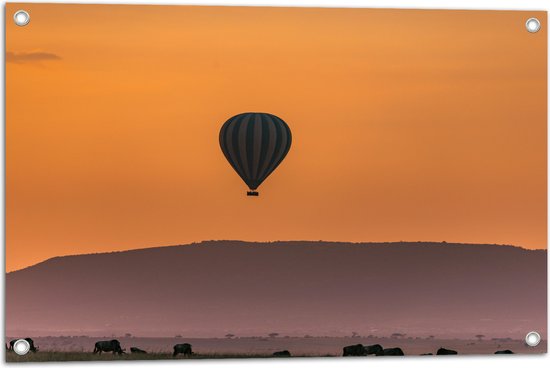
(110, 346)
(185, 349)
(378, 350)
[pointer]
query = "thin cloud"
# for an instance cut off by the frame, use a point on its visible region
(30, 57)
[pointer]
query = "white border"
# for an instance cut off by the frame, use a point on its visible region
(418, 362)
(398, 4)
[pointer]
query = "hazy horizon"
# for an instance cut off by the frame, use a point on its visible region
(405, 242)
(451, 290)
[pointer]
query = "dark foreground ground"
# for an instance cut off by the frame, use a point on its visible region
(79, 348)
(63, 356)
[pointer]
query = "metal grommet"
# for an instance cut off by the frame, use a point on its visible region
(21, 347)
(532, 25)
(21, 18)
(532, 338)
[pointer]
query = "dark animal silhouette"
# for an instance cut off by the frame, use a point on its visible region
(354, 350)
(33, 348)
(391, 352)
(283, 353)
(504, 352)
(107, 346)
(373, 349)
(427, 354)
(135, 350)
(443, 351)
(184, 349)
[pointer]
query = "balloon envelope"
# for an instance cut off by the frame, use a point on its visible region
(255, 144)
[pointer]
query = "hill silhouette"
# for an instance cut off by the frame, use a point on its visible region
(293, 288)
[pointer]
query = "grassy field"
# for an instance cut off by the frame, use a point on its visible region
(63, 356)
(79, 348)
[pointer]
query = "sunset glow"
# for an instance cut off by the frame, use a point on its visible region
(406, 125)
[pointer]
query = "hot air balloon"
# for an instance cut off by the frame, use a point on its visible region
(255, 143)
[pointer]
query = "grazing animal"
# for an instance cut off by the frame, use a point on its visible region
(284, 353)
(108, 345)
(373, 349)
(184, 349)
(391, 352)
(504, 352)
(355, 350)
(33, 348)
(443, 351)
(135, 350)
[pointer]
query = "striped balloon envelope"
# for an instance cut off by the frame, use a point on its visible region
(255, 143)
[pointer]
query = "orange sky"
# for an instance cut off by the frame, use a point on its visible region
(407, 125)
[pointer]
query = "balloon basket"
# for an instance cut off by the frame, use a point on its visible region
(252, 193)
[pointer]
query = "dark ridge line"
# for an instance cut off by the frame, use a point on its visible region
(286, 242)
